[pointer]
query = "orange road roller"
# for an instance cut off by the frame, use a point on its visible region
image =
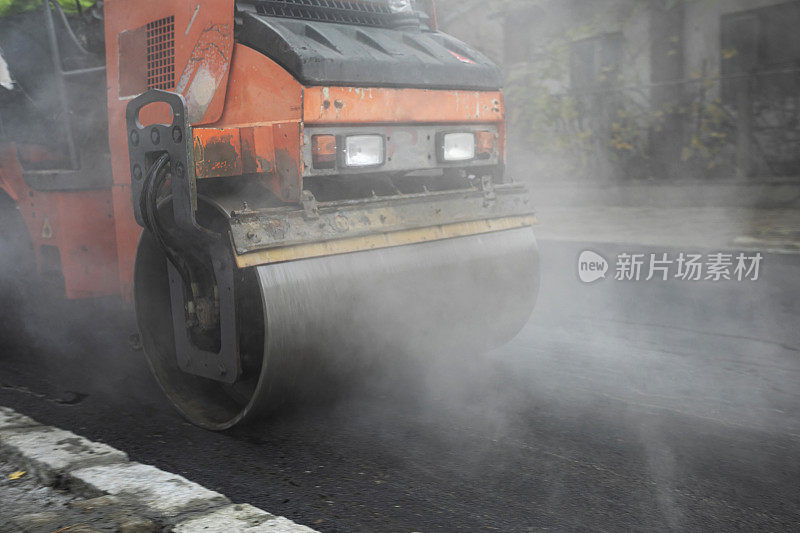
(282, 188)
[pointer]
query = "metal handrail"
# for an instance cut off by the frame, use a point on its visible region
(62, 91)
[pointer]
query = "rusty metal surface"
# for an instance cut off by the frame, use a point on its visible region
(254, 230)
(226, 152)
(377, 241)
(259, 131)
(218, 152)
(288, 182)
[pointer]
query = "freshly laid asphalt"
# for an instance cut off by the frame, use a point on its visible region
(622, 405)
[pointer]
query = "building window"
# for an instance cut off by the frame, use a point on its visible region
(595, 63)
(760, 43)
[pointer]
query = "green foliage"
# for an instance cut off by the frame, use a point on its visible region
(613, 123)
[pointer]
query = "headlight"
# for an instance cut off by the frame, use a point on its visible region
(363, 150)
(400, 6)
(457, 146)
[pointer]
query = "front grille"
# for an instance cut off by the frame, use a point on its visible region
(358, 12)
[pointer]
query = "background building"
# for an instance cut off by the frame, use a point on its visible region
(644, 89)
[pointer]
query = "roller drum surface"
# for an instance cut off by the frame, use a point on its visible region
(334, 315)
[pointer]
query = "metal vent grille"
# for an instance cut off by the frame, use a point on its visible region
(161, 54)
(358, 12)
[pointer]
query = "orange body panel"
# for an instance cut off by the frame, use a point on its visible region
(200, 65)
(259, 92)
(80, 224)
(351, 105)
(128, 232)
(259, 130)
(261, 100)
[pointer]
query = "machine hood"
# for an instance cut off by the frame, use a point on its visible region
(326, 53)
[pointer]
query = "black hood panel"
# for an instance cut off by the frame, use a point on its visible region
(322, 53)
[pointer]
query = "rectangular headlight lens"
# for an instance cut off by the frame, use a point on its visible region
(363, 151)
(458, 146)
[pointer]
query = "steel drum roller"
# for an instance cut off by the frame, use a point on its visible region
(336, 314)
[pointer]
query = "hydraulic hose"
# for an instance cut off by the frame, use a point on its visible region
(148, 204)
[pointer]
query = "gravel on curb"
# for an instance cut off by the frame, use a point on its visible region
(109, 484)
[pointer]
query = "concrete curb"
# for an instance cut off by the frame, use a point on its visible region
(103, 474)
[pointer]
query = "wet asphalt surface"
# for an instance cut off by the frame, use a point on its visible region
(621, 406)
